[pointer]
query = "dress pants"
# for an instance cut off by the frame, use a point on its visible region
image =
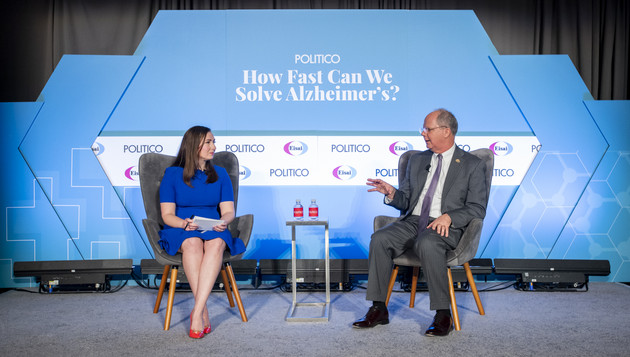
(392, 240)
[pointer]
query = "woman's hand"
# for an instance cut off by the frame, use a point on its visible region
(169, 217)
(227, 215)
(220, 227)
(189, 225)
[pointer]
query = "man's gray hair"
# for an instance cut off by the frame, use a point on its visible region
(446, 118)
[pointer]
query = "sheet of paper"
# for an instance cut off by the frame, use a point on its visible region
(206, 224)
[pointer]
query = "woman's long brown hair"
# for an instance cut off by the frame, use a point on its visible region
(188, 155)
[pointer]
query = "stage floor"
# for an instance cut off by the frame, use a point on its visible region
(517, 323)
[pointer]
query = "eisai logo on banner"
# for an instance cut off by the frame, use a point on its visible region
(244, 172)
(131, 173)
(344, 172)
(399, 147)
(501, 148)
(98, 148)
(295, 148)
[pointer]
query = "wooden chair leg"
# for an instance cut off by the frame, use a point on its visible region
(473, 288)
(390, 286)
(171, 297)
(414, 285)
(237, 295)
(226, 286)
(451, 291)
(158, 300)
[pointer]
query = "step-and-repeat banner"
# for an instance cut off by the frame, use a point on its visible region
(313, 160)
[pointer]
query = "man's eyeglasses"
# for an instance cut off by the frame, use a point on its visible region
(428, 130)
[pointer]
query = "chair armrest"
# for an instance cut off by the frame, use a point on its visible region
(469, 243)
(152, 228)
(241, 227)
(382, 221)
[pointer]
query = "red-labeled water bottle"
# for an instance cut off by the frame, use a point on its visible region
(313, 210)
(298, 211)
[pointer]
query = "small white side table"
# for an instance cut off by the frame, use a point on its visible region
(295, 304)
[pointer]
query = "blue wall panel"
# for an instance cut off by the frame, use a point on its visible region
(599, 227)
(550, 93)
(30, 226)
(78, 100)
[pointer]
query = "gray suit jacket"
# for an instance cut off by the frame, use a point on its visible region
(464, 196)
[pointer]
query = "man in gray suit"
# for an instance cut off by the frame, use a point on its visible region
(443, 190)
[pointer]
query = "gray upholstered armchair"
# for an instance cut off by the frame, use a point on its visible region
(461, 255)
(151, 168)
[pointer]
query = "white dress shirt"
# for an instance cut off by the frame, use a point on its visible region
(436, 203)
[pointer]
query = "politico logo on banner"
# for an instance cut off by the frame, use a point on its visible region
(399, 147)
(142, 148)
(501, 148)
(349, 148)
(344, 172)
(503, 172)
(295, 148)
(245, 148)
(132, 173)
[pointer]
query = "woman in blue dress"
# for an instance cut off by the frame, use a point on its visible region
(194, 187)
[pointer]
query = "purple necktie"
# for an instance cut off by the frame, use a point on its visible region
(426, 202)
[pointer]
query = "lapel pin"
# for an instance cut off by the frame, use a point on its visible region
(457, 161)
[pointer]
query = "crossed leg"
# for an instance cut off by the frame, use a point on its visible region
(202, 261)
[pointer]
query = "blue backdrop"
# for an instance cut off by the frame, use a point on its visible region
(248, 75)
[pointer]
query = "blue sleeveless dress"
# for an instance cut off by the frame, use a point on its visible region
(200, 200)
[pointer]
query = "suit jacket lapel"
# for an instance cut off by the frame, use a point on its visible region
(419, 177)
(453, 171)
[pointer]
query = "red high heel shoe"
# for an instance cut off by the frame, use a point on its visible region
(193, 333)
(207, 329)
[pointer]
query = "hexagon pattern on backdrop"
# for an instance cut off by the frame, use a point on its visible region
(598, 226)
(551, 94)
(573, 202)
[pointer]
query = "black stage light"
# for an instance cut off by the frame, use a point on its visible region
(73, 275)
(551, 274)
(283, 266)
(314, 271)
(311, 273)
